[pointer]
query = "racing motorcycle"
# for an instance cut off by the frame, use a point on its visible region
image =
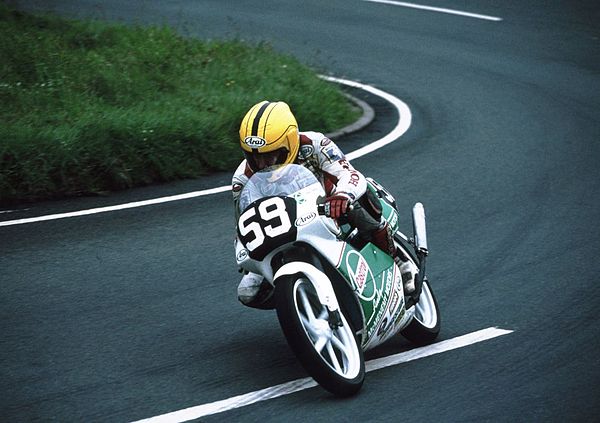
(336, 295)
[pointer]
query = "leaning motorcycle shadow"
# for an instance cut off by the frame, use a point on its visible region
(263, 355)
(396, 345)
(264, 358)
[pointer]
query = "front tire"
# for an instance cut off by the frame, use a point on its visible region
(425, 326)
(331, 356)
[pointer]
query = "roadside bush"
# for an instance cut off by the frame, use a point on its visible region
(88, 107)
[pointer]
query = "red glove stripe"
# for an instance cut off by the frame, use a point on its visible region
(338, 205)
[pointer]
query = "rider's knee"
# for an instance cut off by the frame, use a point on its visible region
(254, 291)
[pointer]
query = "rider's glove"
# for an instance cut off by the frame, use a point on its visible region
(337, 204)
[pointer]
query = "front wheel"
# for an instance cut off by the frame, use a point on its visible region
(331, 356)
(425, 326)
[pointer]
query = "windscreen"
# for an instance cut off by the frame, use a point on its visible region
(281, 180)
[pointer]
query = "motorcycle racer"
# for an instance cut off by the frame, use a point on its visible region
(269, 136)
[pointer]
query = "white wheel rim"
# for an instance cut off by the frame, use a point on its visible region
(336, 347)
(425, 311)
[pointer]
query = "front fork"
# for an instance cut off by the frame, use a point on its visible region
(322, 286)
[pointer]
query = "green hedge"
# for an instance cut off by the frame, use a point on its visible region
(88, 107)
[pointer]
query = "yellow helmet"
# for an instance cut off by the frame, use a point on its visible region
(269, 135)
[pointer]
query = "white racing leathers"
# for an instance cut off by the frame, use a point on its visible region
(324, 158)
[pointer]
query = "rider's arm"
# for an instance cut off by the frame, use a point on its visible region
(338, 170)
(237, 183)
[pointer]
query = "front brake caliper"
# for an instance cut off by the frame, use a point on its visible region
(335, 320)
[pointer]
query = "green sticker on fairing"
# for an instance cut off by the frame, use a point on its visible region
(371, 274)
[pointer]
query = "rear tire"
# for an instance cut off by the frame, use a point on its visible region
(425, 326)
(333, 357)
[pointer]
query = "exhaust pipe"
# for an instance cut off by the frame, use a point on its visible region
(419, 229)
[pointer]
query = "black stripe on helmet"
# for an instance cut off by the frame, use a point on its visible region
(257, 118)
(267, 119)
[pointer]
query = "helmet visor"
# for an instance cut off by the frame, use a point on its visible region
(259, 161)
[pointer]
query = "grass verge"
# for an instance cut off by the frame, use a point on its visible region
(88, 107)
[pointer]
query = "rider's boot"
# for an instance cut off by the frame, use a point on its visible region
(409, 272)
(255, 292)
(384, 239)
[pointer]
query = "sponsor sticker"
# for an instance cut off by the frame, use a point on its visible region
(237, 187)
(306, 219)
(306, 151)
(399, 314)
(360, 273)
(255, 142)
(299, 197)
(344, 163)
(360, 276)
(394, 301)
(332, 153)
(242, 255)
(325, 142)
(381, 303)
(354, 178)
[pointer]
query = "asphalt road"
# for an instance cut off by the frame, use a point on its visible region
(132, 314)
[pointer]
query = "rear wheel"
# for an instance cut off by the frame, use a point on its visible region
(425, 326)
(331, 356)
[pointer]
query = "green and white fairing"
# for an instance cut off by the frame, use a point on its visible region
(376, 281)
(371, 273)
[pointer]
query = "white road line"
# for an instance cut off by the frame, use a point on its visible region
(437, 9)
(11, 211)
(301, 384)
(404, 117)
(402, 126)
(117, 207)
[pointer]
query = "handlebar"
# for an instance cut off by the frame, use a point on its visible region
(323, 209)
